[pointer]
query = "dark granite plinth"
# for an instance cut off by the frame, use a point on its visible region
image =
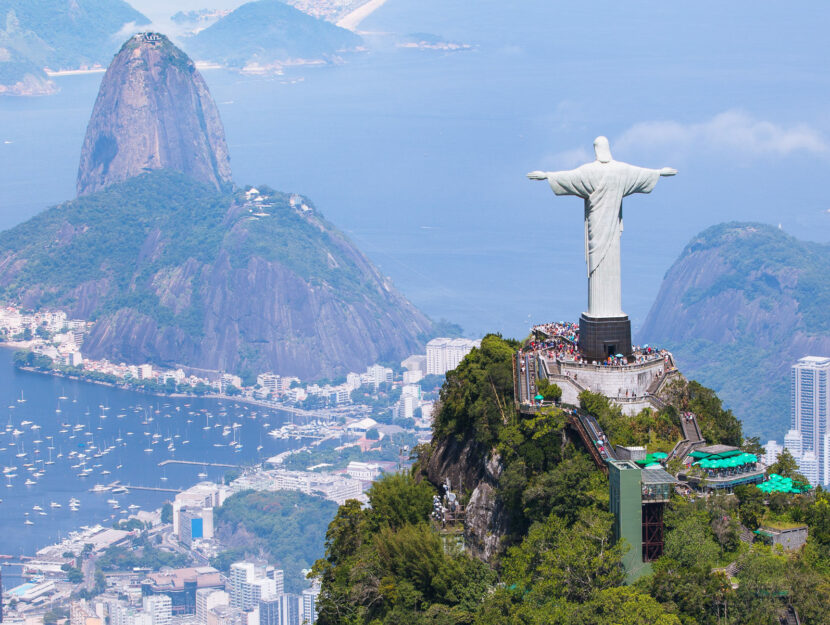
(603, 337)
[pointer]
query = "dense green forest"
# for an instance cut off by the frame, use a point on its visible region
(391, 563)
(285, 528)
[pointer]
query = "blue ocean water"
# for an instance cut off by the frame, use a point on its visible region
(124, 436)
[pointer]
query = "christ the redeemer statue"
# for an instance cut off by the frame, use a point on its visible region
(603, 184)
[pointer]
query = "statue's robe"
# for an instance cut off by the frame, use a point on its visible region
(603, 186)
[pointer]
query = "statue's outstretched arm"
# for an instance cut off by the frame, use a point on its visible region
(538, 175)
(668, 171)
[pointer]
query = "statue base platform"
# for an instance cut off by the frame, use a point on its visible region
(600, 337)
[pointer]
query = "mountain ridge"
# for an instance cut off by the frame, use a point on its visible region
(743, 302)
(265, 33)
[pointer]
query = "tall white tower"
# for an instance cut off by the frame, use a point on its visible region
(810, 404)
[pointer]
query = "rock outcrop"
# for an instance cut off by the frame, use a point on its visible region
(742, 304)
(153, 111)
(471, 468)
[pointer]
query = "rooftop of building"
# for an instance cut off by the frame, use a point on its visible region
(814, 361)
(624, 465)
(175, 579)
(657, 476)
(716, 450)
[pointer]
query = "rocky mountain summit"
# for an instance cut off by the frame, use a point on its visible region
(153, 111)
(741, 304)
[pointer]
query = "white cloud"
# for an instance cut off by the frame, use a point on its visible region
(733, 131)
(568, 159)
(127, 30)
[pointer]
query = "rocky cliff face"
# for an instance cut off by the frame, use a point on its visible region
(472, 469)
(740, 305)
(153, 112)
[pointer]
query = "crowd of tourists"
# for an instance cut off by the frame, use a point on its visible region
(560, 341)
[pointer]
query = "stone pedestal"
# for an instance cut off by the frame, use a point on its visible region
(603, 337)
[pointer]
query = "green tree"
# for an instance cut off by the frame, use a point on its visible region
(694, 592)
(167, 512)
(556, 562)
(750, 505)
(477, 397)
(551, 392)
(689, 540)
(786, 466)
(623, 606)
(74, 576)
(397, 499)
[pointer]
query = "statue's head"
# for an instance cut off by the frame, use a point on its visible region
(602, 149)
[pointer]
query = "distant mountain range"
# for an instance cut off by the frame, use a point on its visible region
(267, 33)
(741, 304)
(58, 35)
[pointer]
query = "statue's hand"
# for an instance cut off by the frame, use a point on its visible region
(668, 171)
(537, 175)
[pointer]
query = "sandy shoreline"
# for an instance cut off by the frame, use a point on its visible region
(353, 19)
(75, 72)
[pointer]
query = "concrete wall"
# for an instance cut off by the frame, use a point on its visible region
(791, 540)
(613, 382)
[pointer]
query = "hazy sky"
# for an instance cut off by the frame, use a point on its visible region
(420, 156)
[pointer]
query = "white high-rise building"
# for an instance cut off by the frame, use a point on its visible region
(773, 450)
(159, 607)
(278, 575)
(794, 444)
(242, 573)
(808, 466)
(310, 596)
(263, 588)
(825, 460)
(810, 405)
(444, 354)
(207, 599)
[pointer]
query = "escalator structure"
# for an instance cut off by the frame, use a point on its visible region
(593, 438)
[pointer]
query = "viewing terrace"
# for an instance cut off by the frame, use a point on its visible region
(633, 380)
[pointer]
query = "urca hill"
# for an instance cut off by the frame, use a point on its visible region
(176, 267)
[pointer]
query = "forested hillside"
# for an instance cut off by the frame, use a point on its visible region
(555, 561)
(175, 272)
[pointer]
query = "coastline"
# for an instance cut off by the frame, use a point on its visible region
(352, 20)
(235, 398)
(74, 72)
